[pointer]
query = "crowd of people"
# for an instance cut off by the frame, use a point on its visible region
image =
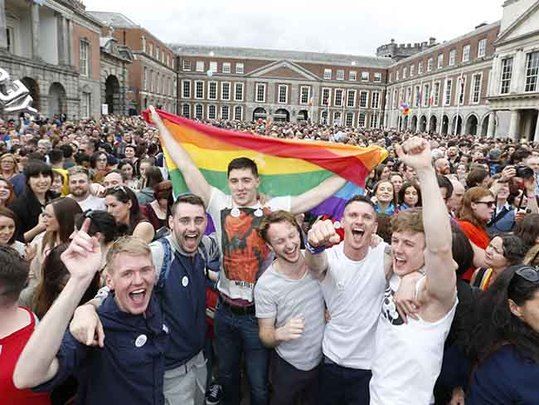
(111, 290)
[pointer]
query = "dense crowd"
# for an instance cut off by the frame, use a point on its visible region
(425, 291)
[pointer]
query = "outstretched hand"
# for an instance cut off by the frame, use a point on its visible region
(156, 119)
(415, 152)
(83, 256)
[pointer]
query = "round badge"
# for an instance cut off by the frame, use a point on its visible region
(141, 341)
(259, 212)
(337, 225)
(185, 281)
(235, 212)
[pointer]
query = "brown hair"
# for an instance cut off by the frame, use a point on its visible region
(275, 218)
(6, 212)
(65, 209)
(472, 195)
(410, 220)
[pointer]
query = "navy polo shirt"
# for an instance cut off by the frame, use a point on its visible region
(128, 370)
(183, 301)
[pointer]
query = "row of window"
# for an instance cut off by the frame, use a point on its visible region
(336, 98)
(531, 76)
(199, 93)
(156, 82)
(410, 70)
(352, 75)
(226, 112)
(428, 94)
(364, 120)
(213, 67)
(162, 55)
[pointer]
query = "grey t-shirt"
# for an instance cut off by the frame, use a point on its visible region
(279, 297)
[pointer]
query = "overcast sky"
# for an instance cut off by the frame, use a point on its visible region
(336, 26)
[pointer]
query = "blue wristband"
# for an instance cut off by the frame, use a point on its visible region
(314, 250)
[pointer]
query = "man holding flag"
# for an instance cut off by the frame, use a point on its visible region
(244, 257)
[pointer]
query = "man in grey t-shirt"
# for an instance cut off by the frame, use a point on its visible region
(290, 312)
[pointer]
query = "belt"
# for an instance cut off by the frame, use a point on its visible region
(237, 310)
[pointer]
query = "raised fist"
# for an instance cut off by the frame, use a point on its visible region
(323, 234)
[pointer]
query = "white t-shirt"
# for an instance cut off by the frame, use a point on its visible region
(245, 255)
(353, 292)
(91, 203)
(408, 356)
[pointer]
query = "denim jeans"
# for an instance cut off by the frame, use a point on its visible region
(344, 386)
(237, 335)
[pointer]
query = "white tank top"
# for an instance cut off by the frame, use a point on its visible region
(353, 292)
(408, 356)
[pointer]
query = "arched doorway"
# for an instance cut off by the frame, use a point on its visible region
(445, 124)
(457, 125)
(281, 115)
(33, 88)
(484, 126)
(414, 124)
(112, 94)
(259, 113)
(471, 125)
(433, 123)
(405, 123)
(303, 115)
(423, 124)
(57, 99)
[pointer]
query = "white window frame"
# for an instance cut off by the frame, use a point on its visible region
(353, 93)
(452, 57)
(213, 67)
(227, 108)
(377, 77)
(196, 97)
(420, 68)
(186, 65)
(506, 75)
(240, 68)
(339, 74)
(186, 82)
(226, 67)
(215, 88)
(279, 87)
(223, 84)
(430, 64)
(531, 72)
(366, 92)
(200, 66)
(257, 86)
(184, 105)
(84, 58)
(436, 94)
(466, 49)
(324, 89)
(214, 112)
(349, 122)
(475, 89)
(448, 92)
(236, 107)
(375, 96)
(241, 88)
(337, 116)
(405, 72)
(301, 94)
(440, 61)
(361, 119)
(352, 76)
(336, 101)
(412, 70)
(196, 115)
(482, 48)
(327, 74)
(365, 76)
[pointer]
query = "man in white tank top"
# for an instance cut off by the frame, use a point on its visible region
(408, 355)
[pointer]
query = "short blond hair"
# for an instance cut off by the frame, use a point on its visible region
(127, 244)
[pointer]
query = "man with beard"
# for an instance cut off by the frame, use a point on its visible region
(180, 261)
(79, 189)
(290, 312)
(442, 166)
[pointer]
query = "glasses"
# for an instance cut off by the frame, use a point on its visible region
(489, 204)
(528, 273)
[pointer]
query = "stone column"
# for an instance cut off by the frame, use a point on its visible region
(61, 38)
(514, 125)
(519, 69)
(34, 10)
(3, 25)
(69, 34)
(491, 124)
(536, 134)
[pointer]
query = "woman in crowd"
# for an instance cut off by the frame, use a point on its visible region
(461, 172)
(503, 218)
(8, 226)
(477, 177)
(153, 176)
(158, 210)
(128, 172)
(122, 204)
(502, 251)
(396, 180)
(7, 193)
(477, 207)
(409, 196)
(98, 164)
(384, 198)
(382, 172)
(8, 166)
(506, 340)
(528, 230)
(29, 206)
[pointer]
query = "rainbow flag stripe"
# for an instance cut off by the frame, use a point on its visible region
(286, 167)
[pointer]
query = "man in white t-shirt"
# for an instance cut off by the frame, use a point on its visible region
(244, 258)
(79, 189)
(408, 355)
(290, 311)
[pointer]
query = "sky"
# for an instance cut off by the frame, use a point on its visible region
(355, 27)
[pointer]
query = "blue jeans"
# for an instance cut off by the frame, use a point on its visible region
(236, 335)
(344, 386)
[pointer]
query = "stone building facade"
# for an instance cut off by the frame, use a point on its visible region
(40, 44)
(152, 73)
(248, 84)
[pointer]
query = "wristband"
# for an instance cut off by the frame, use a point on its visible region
(314, 250)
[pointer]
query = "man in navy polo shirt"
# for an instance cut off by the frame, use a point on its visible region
(181, 289)
(129, 367)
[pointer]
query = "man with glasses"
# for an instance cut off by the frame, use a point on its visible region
(80, 190)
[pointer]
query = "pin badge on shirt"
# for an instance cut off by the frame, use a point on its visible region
(141, 341)
(185, 281)
(259, 213)
(235, 212)
(337, 225)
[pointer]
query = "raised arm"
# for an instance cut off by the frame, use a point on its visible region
(439, 264)
(192, 175)
(310, 199)
(38, 363)
(321, 235)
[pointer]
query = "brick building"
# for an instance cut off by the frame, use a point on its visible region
(247, 84)
(53, 48)
(152, 74)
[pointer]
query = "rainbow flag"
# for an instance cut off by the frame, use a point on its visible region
(286, 167)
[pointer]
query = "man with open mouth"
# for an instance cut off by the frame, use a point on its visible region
(129, 366)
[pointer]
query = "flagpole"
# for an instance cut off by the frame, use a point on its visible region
(443, 104)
